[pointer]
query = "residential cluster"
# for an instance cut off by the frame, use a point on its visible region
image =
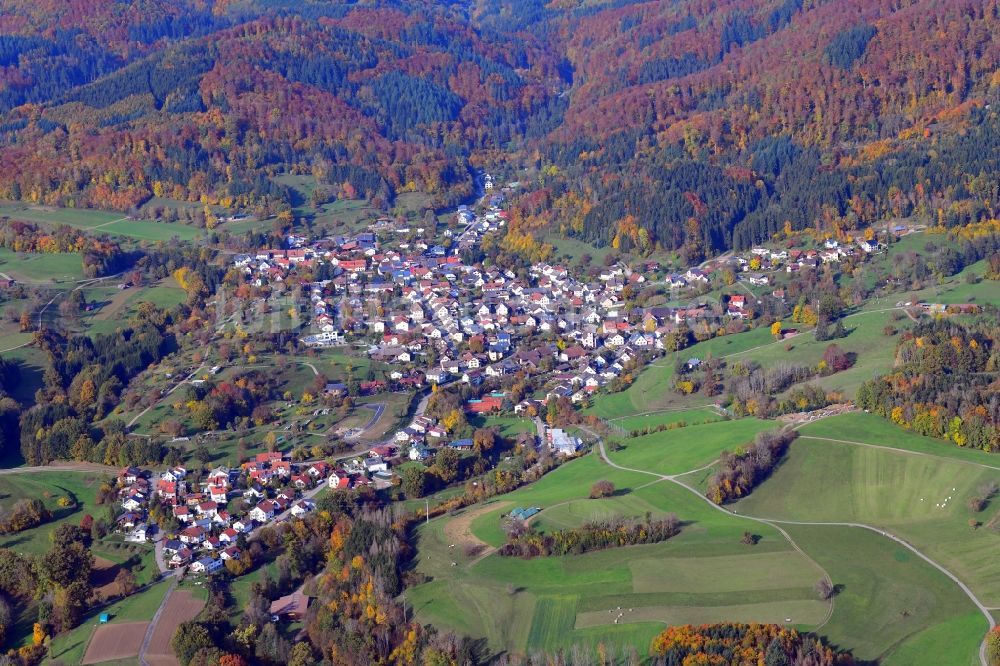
(208, 521)
(438, 317)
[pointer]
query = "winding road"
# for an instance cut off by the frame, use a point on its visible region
(776, 524)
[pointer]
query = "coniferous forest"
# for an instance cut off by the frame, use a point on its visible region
(686, 120)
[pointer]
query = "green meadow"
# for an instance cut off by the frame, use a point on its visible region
(39, 267)
(695, 416)
(653, 390)
(98, 221)
(685, 449)
(890, 606)
(705, 574)
(921, 498)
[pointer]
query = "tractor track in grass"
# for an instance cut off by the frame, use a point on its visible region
(776, 524)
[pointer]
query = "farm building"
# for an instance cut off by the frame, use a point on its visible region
(524, 513)
(291, 606)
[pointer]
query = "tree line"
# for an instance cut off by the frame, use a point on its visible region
(740, 471)
(524, 541)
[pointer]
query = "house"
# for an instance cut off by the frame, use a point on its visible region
(167, 490)
(339, 481)
(138, 534)
(319, 470)
(133, 502)
(209, 509)
(228, 535)
(473, 378)
(129, 475)
(171, 546)
(419, 452)
(264, 511)
(291, 607)
(563, 443)
(253, 492)
(192, 535)
(129, 520)
(375, 464)
(206, 565)
(219, 477)
(302, 507)
(269, 458)
(616, 340)
(437, 376)
(174, 475)
(676, 282)
(180, 558)
(461, 444)
(218, 494)
(695, 275)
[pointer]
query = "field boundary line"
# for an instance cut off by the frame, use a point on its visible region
(105, 224)
(675, 478)
(151, 629)
(898, 450)
(663, 411)
(776, 524)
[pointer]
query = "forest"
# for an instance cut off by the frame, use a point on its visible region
(768, 644)
(683, 120)
(942, 385)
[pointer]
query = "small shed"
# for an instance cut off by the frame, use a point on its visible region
(105, 618)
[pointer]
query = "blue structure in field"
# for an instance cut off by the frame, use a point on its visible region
(524, 514)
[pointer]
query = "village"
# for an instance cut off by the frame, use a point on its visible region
(443, 323)
(439, 318)
(208, 522)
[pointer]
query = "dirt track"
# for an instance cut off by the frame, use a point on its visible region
(458, 530)
(181, 607)
(115, 641)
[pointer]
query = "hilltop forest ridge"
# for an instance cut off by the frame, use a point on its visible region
(422, 333)
(698, 126)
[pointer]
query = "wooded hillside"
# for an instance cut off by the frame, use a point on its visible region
(704, 124)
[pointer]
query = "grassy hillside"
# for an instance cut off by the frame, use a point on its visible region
(99, 221)
(703, 575)
(890, 605)
(871, 429)
(682, 450)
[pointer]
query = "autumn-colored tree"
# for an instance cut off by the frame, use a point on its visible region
(603, 488)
